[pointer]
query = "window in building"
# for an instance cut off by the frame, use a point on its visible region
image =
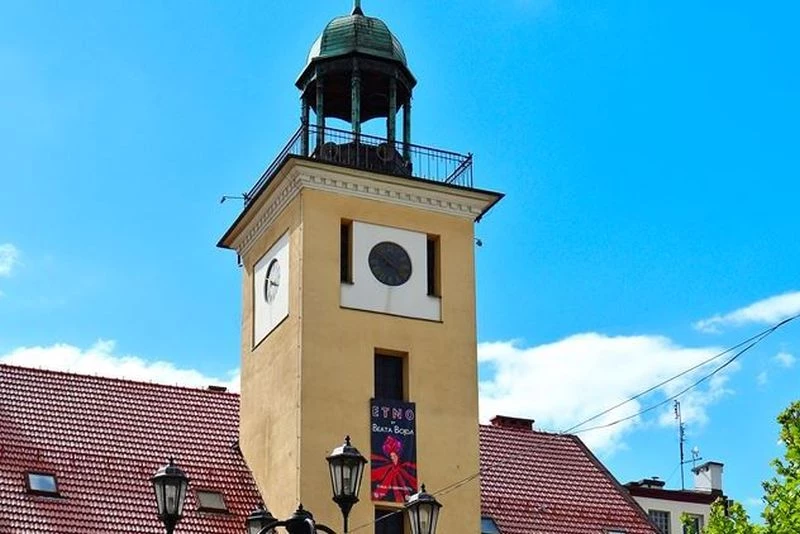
(389, 377)
(434, 282)
(346, 252)
(661, 519)
(42, 483)
(695, 525)
(389, 521)
(210, 501)
(488, 526)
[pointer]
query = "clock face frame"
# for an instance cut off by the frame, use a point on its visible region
(390, 263)
(272, 280)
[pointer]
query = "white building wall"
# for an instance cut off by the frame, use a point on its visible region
(675, 509)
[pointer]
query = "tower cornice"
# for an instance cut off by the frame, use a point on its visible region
(298, 174)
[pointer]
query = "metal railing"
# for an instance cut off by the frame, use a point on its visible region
(367, 152)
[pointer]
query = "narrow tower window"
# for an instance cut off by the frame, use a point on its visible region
(434, 286)
(389, 383)
(389, 521)
(346, 252)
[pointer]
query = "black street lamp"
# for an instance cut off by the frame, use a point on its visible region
(346, 465)
(301, 522)
(170, 484)
(259, 519)
(423, 512)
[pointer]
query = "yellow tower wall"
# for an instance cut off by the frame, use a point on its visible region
(338, 353)
(310, 381)
(269, 412)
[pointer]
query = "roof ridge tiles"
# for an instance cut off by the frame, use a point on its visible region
(127, 381)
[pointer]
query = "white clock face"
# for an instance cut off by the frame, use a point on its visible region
(272, 281)
(390, 273)
(271, 289)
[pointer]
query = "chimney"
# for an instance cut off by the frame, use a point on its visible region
(708, 477)
(504, 421)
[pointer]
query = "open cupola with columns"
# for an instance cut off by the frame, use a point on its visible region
(357, 71)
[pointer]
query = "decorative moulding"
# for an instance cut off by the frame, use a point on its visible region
(400, 191)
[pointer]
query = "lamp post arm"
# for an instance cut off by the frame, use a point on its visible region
(325, 528)
(271, 526)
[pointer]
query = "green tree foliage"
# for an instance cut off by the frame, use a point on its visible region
(782, 492)
(734, 520)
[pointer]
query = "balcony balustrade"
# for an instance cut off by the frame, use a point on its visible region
(370, 153)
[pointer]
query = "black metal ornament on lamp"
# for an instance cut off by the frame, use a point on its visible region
(423, 512)
(259, 520)
(170, 484)
(346, 465)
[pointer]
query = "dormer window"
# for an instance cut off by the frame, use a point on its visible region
(210, 501)
(41, 483)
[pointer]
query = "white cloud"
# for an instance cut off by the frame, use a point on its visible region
(9, 258)
(762, 379)
(562, 383)
(785, 359)
(100, 359)
(767, 311)
(558, 384)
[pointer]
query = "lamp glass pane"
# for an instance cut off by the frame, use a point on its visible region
(413, 517)
(183, 485)
(255, 526)
(434, 518)
(424, 518)
(159, 489)
(358, 471)
(170, 498)
(347, 479)
(336, 477)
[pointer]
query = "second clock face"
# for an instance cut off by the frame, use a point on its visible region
(390, 263)
(272, 281)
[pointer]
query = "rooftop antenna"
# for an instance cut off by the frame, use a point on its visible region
(681, 439)
(695, 456)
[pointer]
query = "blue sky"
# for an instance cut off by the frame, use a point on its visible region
(648, 151)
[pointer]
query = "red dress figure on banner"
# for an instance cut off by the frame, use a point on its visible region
(392, 477)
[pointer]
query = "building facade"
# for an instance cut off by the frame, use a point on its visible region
(666, 507)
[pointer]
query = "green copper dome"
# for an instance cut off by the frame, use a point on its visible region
(357, 33)
(356, 71)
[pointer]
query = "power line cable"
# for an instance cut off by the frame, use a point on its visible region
(747, 343)
(673, 397)
(665, 382)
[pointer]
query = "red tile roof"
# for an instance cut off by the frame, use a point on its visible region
(103, 439)
(540, 483)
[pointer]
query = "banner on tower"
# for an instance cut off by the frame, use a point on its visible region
(394, 450)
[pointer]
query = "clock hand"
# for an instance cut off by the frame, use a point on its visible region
(387, 260)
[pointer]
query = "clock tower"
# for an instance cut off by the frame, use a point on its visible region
(358, 312)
